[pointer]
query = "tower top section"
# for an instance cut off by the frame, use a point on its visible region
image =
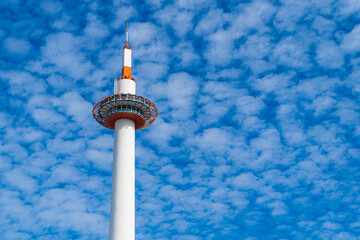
(124, 103)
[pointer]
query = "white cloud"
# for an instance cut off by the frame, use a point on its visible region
(62, 53)
(228, 73)
(344, 235)
(324, 27)
(322, 104)
(26, 135)
(17, 46)
(256, 47)
(187, 55)
(273, 82)
(173, 174)
(47, 117)
(15, 213)
(310, 88)
(292, 52)
(347, 7)
(251, 123)
(64, 23)
(259, 66)
(353, 81)
(67, 209)
(290, 13)
(278, 208)
(18, 179)
(23, 83)
(347, 112)
(329, 55)
(250, 105)
(100, 158)
(213, 140)
(219, 50)
(180, 21)
(122, 15)
(254, 15)
(95, 29)
(161, 133)
(294, 134)
(193, 5)
(148, 71)
(269, 139)
(351, 41)
(60, 146)
(324, 134)
(63, 174)
(105, 141)
(51, 7)
(246, 181)
(74, 105)
(210, 22)
(181, 91)
(17, 152)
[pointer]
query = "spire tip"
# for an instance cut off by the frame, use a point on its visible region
(127, 35)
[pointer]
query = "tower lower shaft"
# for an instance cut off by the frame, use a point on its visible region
(122, 215)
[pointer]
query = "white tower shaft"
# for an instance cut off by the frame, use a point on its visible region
(122, 214)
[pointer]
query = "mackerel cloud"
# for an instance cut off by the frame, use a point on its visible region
(258, 128)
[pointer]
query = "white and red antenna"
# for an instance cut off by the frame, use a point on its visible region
(126, 69)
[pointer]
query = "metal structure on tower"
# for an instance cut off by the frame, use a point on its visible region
(125, 112)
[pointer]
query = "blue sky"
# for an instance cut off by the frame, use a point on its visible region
(258, 130)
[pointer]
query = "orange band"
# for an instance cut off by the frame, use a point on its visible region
(126, 71)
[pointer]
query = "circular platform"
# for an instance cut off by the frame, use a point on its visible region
(125, 106)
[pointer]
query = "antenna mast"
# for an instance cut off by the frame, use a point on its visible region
(127, 34)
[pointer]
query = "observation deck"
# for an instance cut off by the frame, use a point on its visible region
(125, 106)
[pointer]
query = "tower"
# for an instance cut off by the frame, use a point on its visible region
(125, 112)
